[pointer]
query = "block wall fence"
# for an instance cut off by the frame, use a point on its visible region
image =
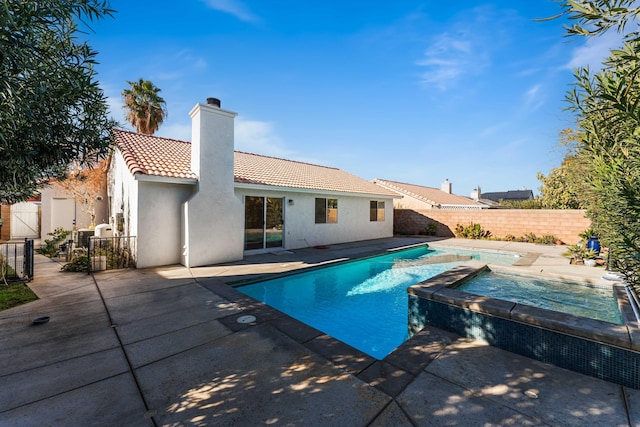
(564, 224)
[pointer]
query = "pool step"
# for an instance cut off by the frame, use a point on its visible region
(433, 259)
(528, 259)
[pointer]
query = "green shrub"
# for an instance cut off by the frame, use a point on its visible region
(579, 252)
(430, 229)
(528, 238)
(547, 239)
(588, 233)
(472, 231)
(51, 246)
(77, 263)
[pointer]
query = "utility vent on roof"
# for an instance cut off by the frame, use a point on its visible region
(213, 101)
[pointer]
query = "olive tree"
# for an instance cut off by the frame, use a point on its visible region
(52, 111)
(607, 104)
(565, 186)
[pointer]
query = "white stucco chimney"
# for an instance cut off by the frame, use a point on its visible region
(213, 227)
(446, 186)
(476, 194)
(212, 144)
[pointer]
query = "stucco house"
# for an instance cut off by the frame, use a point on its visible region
(201, 202)
(418, 197)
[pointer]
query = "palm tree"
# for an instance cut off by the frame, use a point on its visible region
(147, 109)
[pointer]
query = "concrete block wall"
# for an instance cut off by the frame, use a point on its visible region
(5, 228)
(564, 224)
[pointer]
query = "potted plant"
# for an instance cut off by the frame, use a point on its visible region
(574, 253)
(591, 238)
(578, 254)
(589, 257)
(430, 229)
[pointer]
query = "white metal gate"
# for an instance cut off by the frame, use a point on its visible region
(25, 220)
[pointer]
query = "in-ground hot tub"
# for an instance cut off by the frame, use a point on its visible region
(593, 347)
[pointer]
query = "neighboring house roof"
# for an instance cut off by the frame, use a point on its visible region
(488, 202)
(509, 195)
(430, 195)
(153, 155)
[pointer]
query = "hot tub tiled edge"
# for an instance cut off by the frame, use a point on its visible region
(599, 349)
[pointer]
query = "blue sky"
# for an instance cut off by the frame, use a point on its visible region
(412, 91)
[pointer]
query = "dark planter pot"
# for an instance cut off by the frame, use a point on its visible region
(594, 244)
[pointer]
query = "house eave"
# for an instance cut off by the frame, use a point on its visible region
(260, 187)
(164, 179)
(461, 207)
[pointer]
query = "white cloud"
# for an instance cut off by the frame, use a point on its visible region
(233, 7)
(465, 48)
(448, 58)
(260, 138)
(114, 102)
(179, 131)
(115, 107)
(533, 97)
(492, 130)
(186, 56)
(594, 51)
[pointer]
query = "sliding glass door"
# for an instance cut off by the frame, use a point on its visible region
(263, 222)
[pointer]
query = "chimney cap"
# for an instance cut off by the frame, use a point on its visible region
(213, 101)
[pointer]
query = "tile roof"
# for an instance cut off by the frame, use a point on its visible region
(496, 196)
(433, 196)
(264, 170)
(153, 155)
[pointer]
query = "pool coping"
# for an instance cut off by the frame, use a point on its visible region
(588, 346)
(441, 288)
(330, 263)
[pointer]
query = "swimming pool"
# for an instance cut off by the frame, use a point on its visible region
(364, 302)
(601, 349)
(594, 302)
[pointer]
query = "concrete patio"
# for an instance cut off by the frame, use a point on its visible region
(163, 347)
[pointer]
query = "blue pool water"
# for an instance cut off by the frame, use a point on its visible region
(362, 303)
(499, 258)
(579, 300)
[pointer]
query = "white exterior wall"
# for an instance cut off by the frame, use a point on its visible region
(407, 202)
(77, 217)
(122, 197)
(159, 235)
(152, 213)
(213, 217)
(300, 229)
